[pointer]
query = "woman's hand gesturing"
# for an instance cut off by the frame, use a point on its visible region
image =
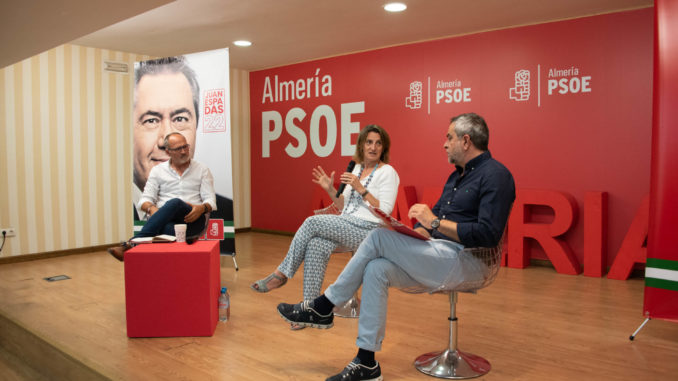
(321, 178)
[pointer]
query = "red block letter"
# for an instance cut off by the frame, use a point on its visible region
(633, 249)
(595, 233)
(558, 251)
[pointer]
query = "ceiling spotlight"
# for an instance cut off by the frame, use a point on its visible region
(395, 7)
(242, 43)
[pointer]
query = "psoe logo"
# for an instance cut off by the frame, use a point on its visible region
(521, 91)
(415, 99)
(215, 230)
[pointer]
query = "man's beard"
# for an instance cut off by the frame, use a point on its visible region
(183, 160)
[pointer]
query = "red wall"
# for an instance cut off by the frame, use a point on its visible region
(596, 140)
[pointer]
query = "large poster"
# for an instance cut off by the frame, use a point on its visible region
(568, 105)
(197, 84)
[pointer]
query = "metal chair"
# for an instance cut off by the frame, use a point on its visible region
(451, 363)
(350, 309)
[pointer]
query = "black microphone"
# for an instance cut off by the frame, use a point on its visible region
(351, 165)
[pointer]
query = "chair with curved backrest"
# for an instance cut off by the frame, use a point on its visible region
(452, 363)
(350, 309)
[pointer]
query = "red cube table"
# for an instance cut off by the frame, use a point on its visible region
(172, 289)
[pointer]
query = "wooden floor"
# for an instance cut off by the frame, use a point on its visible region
(531, 324)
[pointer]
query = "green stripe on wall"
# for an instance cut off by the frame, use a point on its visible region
(661, 283)
(662, 264)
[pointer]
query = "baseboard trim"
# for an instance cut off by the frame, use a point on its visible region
(53, 254)
(270, 231)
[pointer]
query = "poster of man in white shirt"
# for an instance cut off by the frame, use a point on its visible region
(186, 94)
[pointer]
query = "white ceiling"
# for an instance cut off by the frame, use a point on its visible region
(30, 27)
(283, 31)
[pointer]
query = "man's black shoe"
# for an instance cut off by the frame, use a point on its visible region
(355, 371)
(304, 315)
(118, 252)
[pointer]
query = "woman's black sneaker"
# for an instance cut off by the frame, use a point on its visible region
(304, 315)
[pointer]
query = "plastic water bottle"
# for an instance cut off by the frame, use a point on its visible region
(224, 305)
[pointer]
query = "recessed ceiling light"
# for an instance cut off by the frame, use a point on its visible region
(242, 43)
(395, 7)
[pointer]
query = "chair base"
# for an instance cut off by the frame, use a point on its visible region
(452, 365)
(350, 309)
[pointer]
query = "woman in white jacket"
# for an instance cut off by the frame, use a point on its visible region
(372, 182)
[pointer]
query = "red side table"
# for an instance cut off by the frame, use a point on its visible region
(172, 289)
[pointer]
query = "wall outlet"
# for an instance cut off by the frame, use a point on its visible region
(9, 232)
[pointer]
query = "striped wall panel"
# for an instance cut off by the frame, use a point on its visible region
(240, 124)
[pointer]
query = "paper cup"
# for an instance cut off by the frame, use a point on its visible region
(180, 232)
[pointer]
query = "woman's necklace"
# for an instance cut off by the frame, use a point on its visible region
(354, 198)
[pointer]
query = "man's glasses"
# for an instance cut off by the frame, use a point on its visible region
(178, 149)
